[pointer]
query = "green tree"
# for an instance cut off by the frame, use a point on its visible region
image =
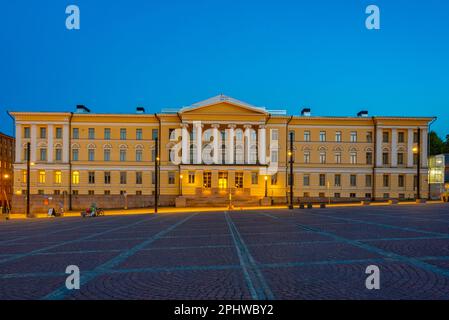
(446, 145)
(436, 145)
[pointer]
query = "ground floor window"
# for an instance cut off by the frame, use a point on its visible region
(171, 178)
(191, 177)
(352, 195)
(254, 178)
(239, 179)
(107, 192)
(207, 179)
(222, 180)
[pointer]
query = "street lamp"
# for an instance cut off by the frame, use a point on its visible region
(290, 154)
(180, 185)
(417, 150)
(156, 173)
(266, 186)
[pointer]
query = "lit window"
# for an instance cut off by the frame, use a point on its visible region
(42, 176)
(58, 177)
(75, 177)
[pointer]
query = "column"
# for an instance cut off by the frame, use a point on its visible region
(65, 143)
(410, 147)
(230, 144)
(50, 143)
(185, 143)
(19, 147)
(394, 147)
(247, 135)
(379, 147)
(33, 143)
(199, 141)
(424, 148)
(262, 148)
(216, 144)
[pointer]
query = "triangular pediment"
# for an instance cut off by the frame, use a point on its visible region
(222, 104)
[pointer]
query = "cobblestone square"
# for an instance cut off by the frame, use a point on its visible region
(253, 254)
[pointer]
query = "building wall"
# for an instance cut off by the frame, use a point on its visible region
(60, 134)
(7, 145)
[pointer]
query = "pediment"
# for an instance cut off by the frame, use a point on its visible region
(224, 106)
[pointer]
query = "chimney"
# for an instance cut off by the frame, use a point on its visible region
(140, 110)
(306, 112)
(363, 114)
(82, 109)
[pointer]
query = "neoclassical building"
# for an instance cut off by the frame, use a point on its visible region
(211, 150)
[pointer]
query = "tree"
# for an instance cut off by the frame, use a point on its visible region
(436, 145)
(446, 145)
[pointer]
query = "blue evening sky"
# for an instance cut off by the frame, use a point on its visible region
(277, 54)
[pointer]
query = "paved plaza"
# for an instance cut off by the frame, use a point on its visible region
(260, 254)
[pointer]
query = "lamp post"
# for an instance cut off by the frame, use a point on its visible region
(28, 178)
(417, 150)
(266, 186)
(156, 173)
(290, 153)
(180, 185)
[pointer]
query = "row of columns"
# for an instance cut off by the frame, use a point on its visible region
(230, 143)
(50, 142)
(394, 147)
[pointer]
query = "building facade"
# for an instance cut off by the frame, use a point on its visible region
(7, 145)
(82, 157)
(438, 175)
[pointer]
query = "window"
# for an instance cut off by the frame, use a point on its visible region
(369, 158)
(91, 177)
(107, 134)
(75, 154)
(338, 136)
(385, 158)
(58, 154)
(207, 179)
(75, 192)
(274, 179)
(337, 180)
(122, 134)
(43, 133)
(306, 180)
(91, 133)
(153, 177)
(171, 177)
(123, 177)
(138, 193)
(107, 177)
(322, 180)
(123, 192)
(386, 195)
(138, 177)
(369, 137)
(58, 177)
(254, 178)
(307, 136)
(321, 195)
(26, 132)
(307, 157)
(368, 195)
(353, 180)
(274, 134)
(91, 192)
(154, 134)
(75, 177)
(353, 157)
(353, 136)
(107, 155)
(122, 155)
(322, 136)
(138, 134)
(222, 180)
(107, 192)
(153, 155)
(401, 137)
(43, 154)
(338, 157)
(385, 137)
(91, 154)
(400, 158)
(352, 195)
(75, 133)
(386, 180)
(41, 176)
(415, 159)
(138, 155)
(274, 156)
(58, 133)
(57, 192)
(337, 195)
(24, 176)
(322, 157)
(191, 177)
(239, 179)
(368, 180)
(401, 181)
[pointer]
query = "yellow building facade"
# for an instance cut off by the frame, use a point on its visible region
(82, 157)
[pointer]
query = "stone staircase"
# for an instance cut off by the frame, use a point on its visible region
(222, 201)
